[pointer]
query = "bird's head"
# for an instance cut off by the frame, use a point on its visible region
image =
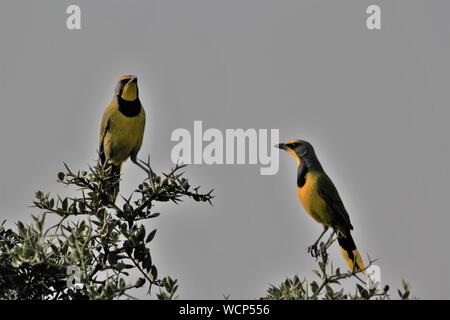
(299, 149)
(127, 88)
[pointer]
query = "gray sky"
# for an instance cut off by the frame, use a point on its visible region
(375, 104)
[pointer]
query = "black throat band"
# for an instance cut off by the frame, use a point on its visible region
(129, 108)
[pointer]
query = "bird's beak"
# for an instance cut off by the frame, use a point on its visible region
(133, 79)
(281, 146)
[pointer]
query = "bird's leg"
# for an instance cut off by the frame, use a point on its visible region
(331, 239)
(313, 248)
(149, 171)
(326, 244)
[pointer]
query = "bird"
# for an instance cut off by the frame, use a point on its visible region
(321, 200)
(122, 129)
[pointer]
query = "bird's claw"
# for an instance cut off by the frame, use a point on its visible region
(323, 251)
(313, 250)
(317, 251)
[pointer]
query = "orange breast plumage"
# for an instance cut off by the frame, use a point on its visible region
(313, 204)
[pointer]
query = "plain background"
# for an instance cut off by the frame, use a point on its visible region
(375, 104)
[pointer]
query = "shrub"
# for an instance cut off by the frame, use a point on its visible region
(94, 248)
(328, 284)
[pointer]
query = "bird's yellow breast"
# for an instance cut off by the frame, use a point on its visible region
(313, 204)
(124, 136)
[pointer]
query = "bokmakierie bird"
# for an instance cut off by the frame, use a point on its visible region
(321, 200)
(122, 128)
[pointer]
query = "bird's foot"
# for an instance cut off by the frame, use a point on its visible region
(313, 250)
(323, 250)
(317, 251)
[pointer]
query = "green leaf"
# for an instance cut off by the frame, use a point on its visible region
(120, 266)
(338, 272)
(363, 292)
(314, 286)
(139, 253)
(140, 234)
(150, 236)
(113, 258)
(61, 176)
(153, 274)
(55, 249)
(64, 204)
(329, 290)
(167, 285)
(140, 282)
(101, 214)
(147, 262)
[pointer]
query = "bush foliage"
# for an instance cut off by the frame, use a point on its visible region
(92, 242)
(328, 283)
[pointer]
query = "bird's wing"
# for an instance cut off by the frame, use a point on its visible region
(328, 192)
(105, 126)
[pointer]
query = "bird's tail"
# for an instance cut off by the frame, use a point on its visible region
(115, 180)
(350, 253)
(110, 185)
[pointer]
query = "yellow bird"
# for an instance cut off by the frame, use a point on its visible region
(321, 201)
(122, 128)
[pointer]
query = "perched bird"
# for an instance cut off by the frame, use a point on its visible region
(321, 200)
(122, 128)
